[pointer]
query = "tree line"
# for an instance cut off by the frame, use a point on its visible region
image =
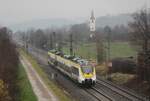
(8, 66)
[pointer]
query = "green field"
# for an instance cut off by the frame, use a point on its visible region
(88, 51)
(25, 90)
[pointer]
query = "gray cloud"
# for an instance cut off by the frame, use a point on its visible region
(15, 11)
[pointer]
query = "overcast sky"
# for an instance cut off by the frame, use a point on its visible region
(16, 11)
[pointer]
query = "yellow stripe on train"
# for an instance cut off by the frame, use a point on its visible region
(88, 75)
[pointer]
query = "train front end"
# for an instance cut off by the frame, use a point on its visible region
(87, 75)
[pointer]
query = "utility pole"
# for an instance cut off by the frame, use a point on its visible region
(54, 40)
(50, 41)
(100, 48)
(71, 45)
(107, 30)
(26, 41)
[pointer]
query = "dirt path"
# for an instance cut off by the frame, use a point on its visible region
(40, 89)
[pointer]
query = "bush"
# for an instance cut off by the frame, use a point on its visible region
(4, 96)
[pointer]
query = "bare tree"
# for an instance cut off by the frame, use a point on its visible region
(140, 34)
(140, 29)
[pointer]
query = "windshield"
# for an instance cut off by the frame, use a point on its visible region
(87, 69)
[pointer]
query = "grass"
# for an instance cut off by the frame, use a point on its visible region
(25, 90)
(117, 49)
(51, 85)
(121, 49)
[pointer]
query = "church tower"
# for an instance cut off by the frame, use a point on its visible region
(92, 22)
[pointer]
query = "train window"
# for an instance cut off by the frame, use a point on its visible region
(75, 71)
(65, 67)
(87, 69)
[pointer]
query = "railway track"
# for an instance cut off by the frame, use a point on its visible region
(117, 92)
(98, 95)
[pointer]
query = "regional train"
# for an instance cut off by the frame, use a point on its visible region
(79, 70)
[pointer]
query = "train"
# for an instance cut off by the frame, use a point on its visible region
(76, 68)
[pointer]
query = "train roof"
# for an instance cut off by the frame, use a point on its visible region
(74, 60)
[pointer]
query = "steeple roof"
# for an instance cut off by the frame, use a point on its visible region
(92, 15)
